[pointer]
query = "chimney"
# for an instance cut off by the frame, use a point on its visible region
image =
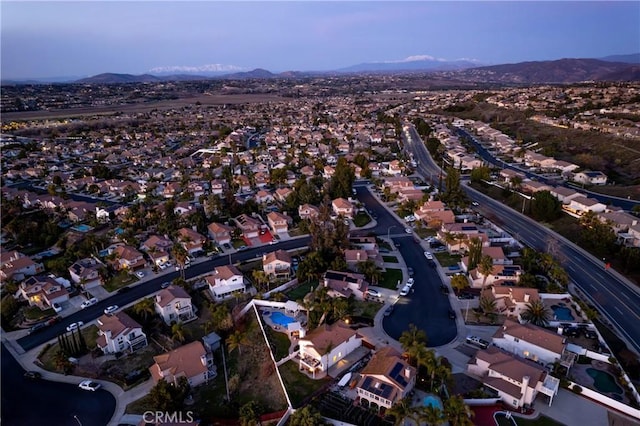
(527, 296)
(525, 385)
(358, 255)
(407, 372)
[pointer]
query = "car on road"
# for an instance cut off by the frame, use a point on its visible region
(74, 325)
(33, 375)
(428, 255)
(452, 314)
(88, 302)
(408, 230)
(165, 284)
(110, 309)
(405, 290)
(410, 282)
(410, 271)
(444, 289)
(372, 292)
(388, 311)
(475, 203)
(140, 274)
(39, 326)
(227, 246)
(89, 385)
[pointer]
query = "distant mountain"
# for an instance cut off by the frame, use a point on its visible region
(256, 73)
(633, 58)
(560, 71)
(631, 73)
(111, 78)
(413, 63)
(201, 70)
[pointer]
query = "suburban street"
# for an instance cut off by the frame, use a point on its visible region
(42, 402)
(615, 297)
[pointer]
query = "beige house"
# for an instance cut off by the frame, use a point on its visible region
(174, 305)
(326, 346)
(127, 257)
(225, 281)
(307, 211)
(278, 222)
(277, 264)
(15, 265)
(85, 272)
(119, 333)
(249, 226)
(345, 284)
(191, 240)
(190, 361)
(43, 291)
(386, 379)
(512, 301)
(220, 233)
(342, 207)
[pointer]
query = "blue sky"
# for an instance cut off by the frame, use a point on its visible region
(47, 39)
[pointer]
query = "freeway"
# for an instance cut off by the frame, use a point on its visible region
(148, 287)
(626, 204)
(615, 297)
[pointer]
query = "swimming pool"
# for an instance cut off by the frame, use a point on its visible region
(604, 382)
(82, 228)
(432, 401)
(562, 313)
(281, 319)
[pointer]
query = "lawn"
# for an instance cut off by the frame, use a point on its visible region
(299, 386)
(447, 259)
(47, 356)
(121, 280)
(280, 343)
(297, 293)
(365, 309)
(34, 313)
(361, 219)
(390, 278)
(390, 259)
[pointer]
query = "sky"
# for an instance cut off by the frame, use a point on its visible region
(54, 39)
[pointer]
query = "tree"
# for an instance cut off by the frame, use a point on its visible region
(236, 340)
(260, 279)
(431, 415)
(412, 338)
(475, 251)
(401, 410)
(178, 333)
(457, 412)
(306, 416)
(169, 397)
(453, 195)
(250, 413)
(488, 306)
(545, 207)
(144, 308)
(180, 255)
(480, 174)
(536, 313)
(459, 282)
(369, 269)
(485, 267)
(342, 180)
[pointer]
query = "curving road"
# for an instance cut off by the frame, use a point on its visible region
(614, 296)
(41, 402)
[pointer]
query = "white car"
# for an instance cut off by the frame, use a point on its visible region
(111, 309)
(372, 292)
(410, 282)
(140, 274)
(88, 302)
(405, 290)
(428, 255)
(74, 325)
(408, 230)
(89, 385)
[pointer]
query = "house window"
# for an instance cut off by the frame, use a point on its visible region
(515, 339)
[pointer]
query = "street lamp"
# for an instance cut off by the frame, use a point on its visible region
(389, 231)
(77, 419)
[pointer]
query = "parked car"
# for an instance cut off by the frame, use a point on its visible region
(33, 375)
(476, 341)
(590, 334)
(410, 282)
(37, 327)
(372, 292)
(140, 274)
(444, 289)
(405, 290)
(408, 230)
(74, 325)
(124, 289)
(56, 307)
(452, 314)
(428, 255)
(388, 311)
(88, 302)
(410, 271)
(165, 284)
(89, 385)
(111, 309)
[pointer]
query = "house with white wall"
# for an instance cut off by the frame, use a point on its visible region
(225, 281)
(325, 346)
(530, 342)
(119, 333)
(173, 304)
(190, 361)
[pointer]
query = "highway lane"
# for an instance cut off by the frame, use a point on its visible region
(617, 299)
(41, 402)
(149, 287)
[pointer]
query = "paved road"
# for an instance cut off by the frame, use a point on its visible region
(426, 307)
(41, 402)
(146, 288)
(626, 204)
(616, 298)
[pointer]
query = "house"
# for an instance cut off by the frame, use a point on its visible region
(282, 194)
(157, 243)
(43, 291)
(580, 205)
(190, 361)
(15, 265)
(225, 281)
(345, 284)
(277, 264)
(564, 194)
(354, 256)
(590, 178)
(85, 272)
(394, 168)
(278, 222)
(386, 379)
(127, 257)
(530, 342)
(342, 207)
(326, 346)
(533, 186)
(620, 221)
(191, 240)
(516, 380)
(434, 214)
(249, 226)
(512, 301)
(218, 186)
(307, 211)
(220, 233)
(174, 305)
(118, 333)
(264, 197)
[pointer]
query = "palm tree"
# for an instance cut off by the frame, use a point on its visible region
(411, 340)
(457, 412)
(260, 278)
(488, 305)
(144, 308)
(433, 416)
(485, 267)
(306, 416)
(235, 341)
(536, 313)
(180, 254)
(401, 410)
(178, 333)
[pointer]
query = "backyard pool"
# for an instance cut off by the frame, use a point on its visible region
(432, 401)
(82, 228)
(604, 382)
(562, 313)
(281, 319)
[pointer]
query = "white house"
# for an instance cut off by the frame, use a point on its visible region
(224, 281)
(174, 305)
(590, 178)
(580, 205)
(191, 361)
(85, 272)
(119, 333)
(530, 342)
(325, 346)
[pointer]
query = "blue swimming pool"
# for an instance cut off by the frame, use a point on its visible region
(432, 401)
(562, 313)
(281, 319)
(82, 228)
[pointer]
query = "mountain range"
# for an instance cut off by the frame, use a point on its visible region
(610, 68)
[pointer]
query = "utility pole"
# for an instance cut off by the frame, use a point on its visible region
(224, 366)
